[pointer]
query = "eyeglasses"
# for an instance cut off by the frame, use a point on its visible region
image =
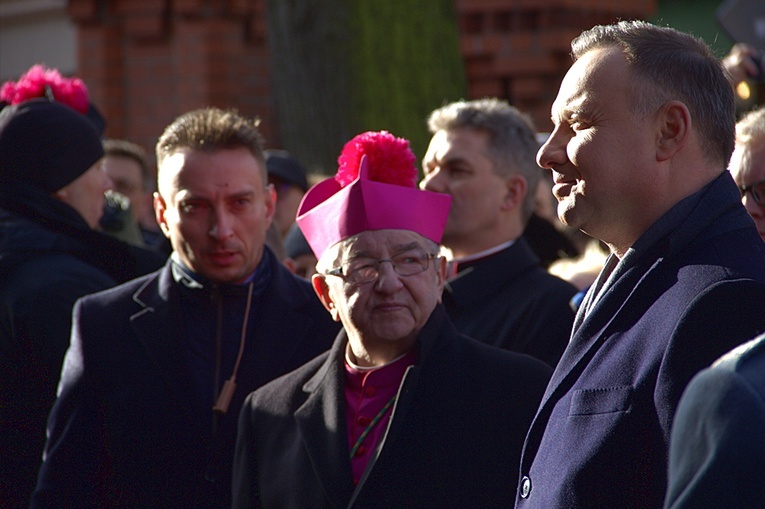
(365, 270)
(757, 190)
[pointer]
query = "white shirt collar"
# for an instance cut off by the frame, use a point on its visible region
(485, 253)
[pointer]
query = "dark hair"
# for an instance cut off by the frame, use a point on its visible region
(129, 150)
(212, 129)
(512, 138)
(672, 65)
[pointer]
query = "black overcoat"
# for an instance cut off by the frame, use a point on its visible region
(49, 258)
(717, 447)
(122, 432)
(454, 438)
(510, 301)
(694, 288)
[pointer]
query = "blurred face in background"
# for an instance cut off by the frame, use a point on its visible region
(288, 199)
(127, 179)
(458, 163)
(747, 166)
(85, 194)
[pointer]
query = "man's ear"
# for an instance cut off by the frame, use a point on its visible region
(440, 275)
(673, 130)
(270, 199)
(61, 194)
(290, 264)
(515, 190)
(320, 286)
(160, 210)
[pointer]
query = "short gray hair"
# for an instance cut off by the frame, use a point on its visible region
(672, 65)
(751, 126)
(512, 137)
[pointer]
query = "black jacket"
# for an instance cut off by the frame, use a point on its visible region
(126, 429)
(48, 259)
(454, 438)
(509, 301)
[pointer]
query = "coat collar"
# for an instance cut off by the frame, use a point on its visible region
(491, 273)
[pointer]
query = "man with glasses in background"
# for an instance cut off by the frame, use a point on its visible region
(403, 411)
(747, 165)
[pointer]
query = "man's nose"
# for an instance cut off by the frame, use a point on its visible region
(222, 225)
(553, 152)
(388, 280)
(433, 181)
(106, 182)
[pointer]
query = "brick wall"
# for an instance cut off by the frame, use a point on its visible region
(147, 61)
(519, 49)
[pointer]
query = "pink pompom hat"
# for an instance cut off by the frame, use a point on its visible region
(374, 189)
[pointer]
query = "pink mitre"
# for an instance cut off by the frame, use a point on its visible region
(374, 189)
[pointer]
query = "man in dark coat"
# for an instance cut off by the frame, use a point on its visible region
(644, 127)
(482, 155)
(51, 198)
(158, 368)
(717, 447)
(403, 411)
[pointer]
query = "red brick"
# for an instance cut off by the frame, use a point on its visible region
(82, 11)
(522, 64)
(244, 7)
(187, 7)
(557, 39)
(521, 41)
(479, 67)
(128, 7)
(527, 87)
(142, 26)
(480, 44)
(485, 88)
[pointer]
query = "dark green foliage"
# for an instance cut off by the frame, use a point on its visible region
(405, 63)
(347, 66)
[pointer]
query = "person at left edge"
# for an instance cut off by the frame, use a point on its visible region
(403, 411)
(51, 253)
(158, 368)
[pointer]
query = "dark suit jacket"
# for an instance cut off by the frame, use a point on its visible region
(601, 435)
(509, 301)
(717, 448)
(122, 432)
(453, 441)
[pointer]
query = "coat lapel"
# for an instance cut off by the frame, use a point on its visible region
(590, 335)
(156, 328)
(321, 421)
(584, 345)
(483, 280)
(715, 208)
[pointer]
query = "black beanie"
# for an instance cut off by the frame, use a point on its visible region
(280, 164)
(46, 144)
(294, 242)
